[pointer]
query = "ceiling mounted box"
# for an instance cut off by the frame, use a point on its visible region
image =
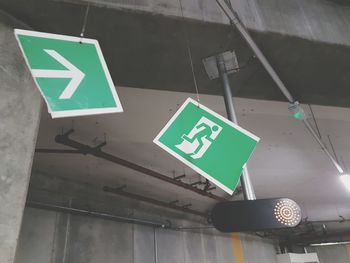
(230, 60)
(298, 258)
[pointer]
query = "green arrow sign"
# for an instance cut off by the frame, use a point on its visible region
(70, 72)
(210, 144)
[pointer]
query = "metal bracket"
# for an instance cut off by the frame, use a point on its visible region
(99, 147)
(297, 111)
(342, 219)
(211, 188)
(197, 183)
(179, 177)
(231, 64)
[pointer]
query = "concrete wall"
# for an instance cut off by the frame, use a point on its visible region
(19, 114)
(254, 249)
(333, 254)
(60, 238)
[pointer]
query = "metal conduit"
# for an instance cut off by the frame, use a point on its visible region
(247, 186)
(236, 22)
(77, 211)
(44, 150)
(97, 152)
(107, 216)
(154, 201)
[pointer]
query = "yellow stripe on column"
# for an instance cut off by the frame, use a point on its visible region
(348, 249)
(237, 248)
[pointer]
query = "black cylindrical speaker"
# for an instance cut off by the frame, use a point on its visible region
(256, 215)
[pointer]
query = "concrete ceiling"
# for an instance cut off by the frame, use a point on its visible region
(286, 163)
(341, 2)
(149, 51)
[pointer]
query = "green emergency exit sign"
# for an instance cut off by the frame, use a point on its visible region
(210, 144)
(70, 72)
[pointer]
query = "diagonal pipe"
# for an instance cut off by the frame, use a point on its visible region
(83, 212)
(97, 152)
(236, 22)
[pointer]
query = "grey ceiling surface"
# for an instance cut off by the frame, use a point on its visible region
(149, 51)
(287, 161)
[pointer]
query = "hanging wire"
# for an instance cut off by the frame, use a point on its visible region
(344, 165)
(314, 119)
(189, 52)
(84, 23)
(332, 147)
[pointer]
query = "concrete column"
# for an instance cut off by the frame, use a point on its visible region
(20, 105)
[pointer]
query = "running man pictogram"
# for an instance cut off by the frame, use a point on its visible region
(198, 141)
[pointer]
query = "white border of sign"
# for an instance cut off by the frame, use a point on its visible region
(195, 168)
(73, 113)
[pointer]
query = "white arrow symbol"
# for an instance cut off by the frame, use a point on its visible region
(72, 72)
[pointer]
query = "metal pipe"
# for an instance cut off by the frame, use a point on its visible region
(154, 201)
(248, 190)
(329, 221)
(71, 210)
(42, 150)
(85, 149)
(179, 177)
(236, 22)
(155, 244)
(245, 34)
(67, 234)
(329, 237)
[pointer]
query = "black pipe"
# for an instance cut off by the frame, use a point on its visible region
(97, 152)
(77, 211)
(170, 205)
(330, 237)
(43, 150)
